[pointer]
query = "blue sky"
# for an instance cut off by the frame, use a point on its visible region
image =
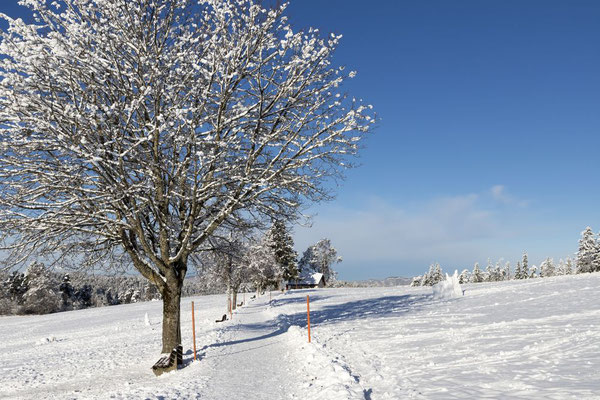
(489, 132)
(487, 145)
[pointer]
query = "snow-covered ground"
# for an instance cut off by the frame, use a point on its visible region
(512, 340)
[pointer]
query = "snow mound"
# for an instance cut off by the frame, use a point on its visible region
(326, 376)
(46, 340)
(448, 289)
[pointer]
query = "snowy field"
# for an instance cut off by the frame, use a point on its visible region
(537, 339)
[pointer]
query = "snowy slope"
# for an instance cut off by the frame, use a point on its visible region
(519, 339)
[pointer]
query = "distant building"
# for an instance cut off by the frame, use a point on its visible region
(316, 280)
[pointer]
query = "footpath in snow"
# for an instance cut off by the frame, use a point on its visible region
(258, 355)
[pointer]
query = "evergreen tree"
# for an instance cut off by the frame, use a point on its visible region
(489, 271)
(547, 268)
(67, 292)
(416, 281)
(427, 278)
(506, 272)
(569, 266)
(518, 273)
(283, 248)
(16, 286)
(533, 272)
(477, 275)
(42, 296)
(587, 255)
(525, 267)
(438, 276)
(319, 258)
(464, 276)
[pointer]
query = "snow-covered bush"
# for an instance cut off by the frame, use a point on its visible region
(449, 288)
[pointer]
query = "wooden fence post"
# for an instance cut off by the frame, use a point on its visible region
(308, 316)
(194, 329)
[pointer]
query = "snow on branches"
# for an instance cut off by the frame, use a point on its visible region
(140, 128)
(148, 125)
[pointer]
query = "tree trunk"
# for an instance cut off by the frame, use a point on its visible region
(234, 295)
(171, 329)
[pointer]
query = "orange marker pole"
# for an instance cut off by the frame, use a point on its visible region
(194, 329)
(308, 316)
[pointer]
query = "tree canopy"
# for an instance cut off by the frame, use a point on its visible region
(140, 128)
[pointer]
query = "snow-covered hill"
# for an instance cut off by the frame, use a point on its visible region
(521, 339)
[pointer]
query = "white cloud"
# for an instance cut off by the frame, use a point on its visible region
(451, 229)
(501, 195)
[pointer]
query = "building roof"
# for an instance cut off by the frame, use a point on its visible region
(312, 279)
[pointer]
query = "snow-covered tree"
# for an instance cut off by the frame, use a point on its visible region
(42, 296)
(506, 275)
(283, 248)
(437, 275)
(133, 130)
(518, 271)
(263, 270)
(320, 257)
(477, 275)
(416, 281)
(224, 263)
(464, 276)
(426, 280)
(525, 267)
(16, 286)
(533, 272)
(490, 272)
(588, 253)
(547, 268)
(568, 266)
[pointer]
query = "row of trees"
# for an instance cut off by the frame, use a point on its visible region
(587, 260)
(40, 290)
(234, 263)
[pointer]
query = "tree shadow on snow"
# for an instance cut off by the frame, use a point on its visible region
(296, 300)
(381, 307)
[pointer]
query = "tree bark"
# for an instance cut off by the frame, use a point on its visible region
(234, 296)
(171, 327)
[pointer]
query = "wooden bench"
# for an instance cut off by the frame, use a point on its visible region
(168, 363)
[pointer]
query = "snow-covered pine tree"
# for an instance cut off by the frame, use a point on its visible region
(506, 275)
(518, 273)
(428, 277)
(42, 296)
(489, 271)
(283, 248)
(477, 275)
(561, 268)
(438, 275)
(320, 257)
(587, 254)
(547, 268)
(416, 281)
(16, 285)
(132, 131)
(568, 266)
(525, 267)
(464, 276)
(262, 269)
